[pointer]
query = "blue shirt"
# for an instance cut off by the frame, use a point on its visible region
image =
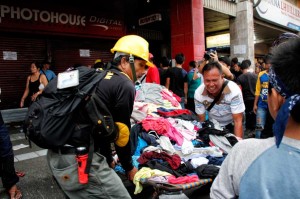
(49, 74)
(262, 85)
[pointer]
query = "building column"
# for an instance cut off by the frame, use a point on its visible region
(187, 29)
(242, 32)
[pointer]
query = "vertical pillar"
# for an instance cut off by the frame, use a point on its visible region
(187, 29)
(242, 32)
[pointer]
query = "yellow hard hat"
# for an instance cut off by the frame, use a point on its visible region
(135, 45)
(97, 61)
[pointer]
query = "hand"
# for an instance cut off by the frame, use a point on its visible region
(214, 56)
(112, 164)
(22, 103)
(255, 108)
(34, 96)
(131, 173)
(185, 100)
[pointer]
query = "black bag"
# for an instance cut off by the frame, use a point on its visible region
(51, 121)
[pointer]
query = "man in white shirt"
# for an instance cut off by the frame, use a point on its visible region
(229, 108)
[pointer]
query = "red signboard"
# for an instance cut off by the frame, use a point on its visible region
(60, 21)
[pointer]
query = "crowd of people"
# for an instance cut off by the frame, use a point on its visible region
(244, 101)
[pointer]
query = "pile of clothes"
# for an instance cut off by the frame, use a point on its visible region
(169, 144)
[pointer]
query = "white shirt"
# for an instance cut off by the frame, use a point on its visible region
(231, 102)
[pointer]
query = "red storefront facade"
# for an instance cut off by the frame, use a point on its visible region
(80, 32)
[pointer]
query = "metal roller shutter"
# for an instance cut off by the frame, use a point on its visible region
(66, 53)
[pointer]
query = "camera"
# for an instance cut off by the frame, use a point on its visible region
(207, 54)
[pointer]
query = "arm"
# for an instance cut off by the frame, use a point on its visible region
(25, 94)
(257, 93)
(195, 75)
(225, 184)
(237, 107)
(121, 114)
(238, 124)
(255, 103)
(168, 82)
(44, 80)
(202, 64)
(185, 90)
(199, 107)
(227, 72)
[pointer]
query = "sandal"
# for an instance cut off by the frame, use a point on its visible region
(20, 173)
(14, 192)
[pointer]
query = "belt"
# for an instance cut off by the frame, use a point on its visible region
(65, 150)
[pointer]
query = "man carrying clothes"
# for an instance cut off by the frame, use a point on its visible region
(117, 92)
(229, 108)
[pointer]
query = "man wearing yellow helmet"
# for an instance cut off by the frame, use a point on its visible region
(117, 92)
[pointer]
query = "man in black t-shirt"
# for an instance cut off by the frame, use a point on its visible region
(177, 79)
(247, 82)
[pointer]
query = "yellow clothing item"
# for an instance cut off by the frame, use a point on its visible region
(146, 172)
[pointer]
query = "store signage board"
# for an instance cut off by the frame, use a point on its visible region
(9, 55)
(239, 49)
(52, 19)
(218, 40)
(279, 12)
(149, 19)
(84, 53)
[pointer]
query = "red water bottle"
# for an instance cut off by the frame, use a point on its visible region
(81, 157)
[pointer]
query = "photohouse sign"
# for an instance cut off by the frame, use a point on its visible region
(60, 22)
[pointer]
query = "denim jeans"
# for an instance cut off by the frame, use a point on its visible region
(5, 143)
(261, 116)
(7, 169)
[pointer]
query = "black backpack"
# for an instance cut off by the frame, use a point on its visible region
(50, 120)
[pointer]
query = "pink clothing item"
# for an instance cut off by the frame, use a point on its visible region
(141, 106)
(163, 127)
(183, 179)
(187, 134)
(167, 95)
(175, 135)
(158, 124)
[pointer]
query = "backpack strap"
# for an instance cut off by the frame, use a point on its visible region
(90, 155)
(218, 96)
(131, 61)
(143, 78)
